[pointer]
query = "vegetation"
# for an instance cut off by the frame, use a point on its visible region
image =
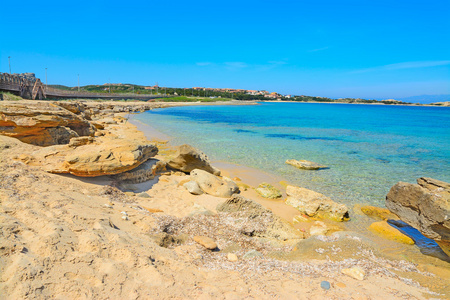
(9, 97)
(191, 99)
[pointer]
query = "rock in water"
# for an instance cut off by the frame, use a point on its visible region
(385, 230)
(378, 213)
(206, 242)
(355, 272)
(268, 191)
(187, 158)
(425, 206)
(305, 164)
(312, 204)
(214, 185)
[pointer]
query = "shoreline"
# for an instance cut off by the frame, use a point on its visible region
(99, 226)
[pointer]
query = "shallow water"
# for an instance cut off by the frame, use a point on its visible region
(368, 148)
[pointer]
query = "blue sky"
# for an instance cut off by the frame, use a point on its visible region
(370, 49)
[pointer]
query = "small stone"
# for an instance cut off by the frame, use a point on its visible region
(232, 257)
(131, 194)
(355, 272)
(107, 205)
(206, 242)
(125, 218)
(252, 254)
(236, 179)
(124, 213)
(325, 285)
(340, 284)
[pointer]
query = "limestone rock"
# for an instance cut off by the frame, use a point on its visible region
(385, 230)
(355, 272)
(305, 164)
(260, 222)
(378, 213)
(214, 185)
(193, 188)
(206, 242)
(319, 228)
(105, 157)
(187, 158)
(42, 123)
(425, 206)
(268, 191)
(312, 204)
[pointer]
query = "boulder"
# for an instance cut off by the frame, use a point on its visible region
(193, 188)
(315, 204)
(425, 206)
(305, 164)
(259, 221)
(214, 185)
(385, 230)
(105, 157)
(268, 191)
(42, 123)
(187, 158)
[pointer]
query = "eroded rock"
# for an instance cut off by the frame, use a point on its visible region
(425, 206)
(268, 191)
(187, 158)
(214, 185)
(313, 203)
(305, 164)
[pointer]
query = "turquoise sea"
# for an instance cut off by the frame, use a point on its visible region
(368, 148)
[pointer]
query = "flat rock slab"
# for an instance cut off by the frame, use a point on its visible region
(305, 164)
(355, 272)
(385, 230)
(206, 242)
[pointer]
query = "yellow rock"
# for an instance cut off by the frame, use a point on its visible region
(385, 230)
(378, 213)
(355, 272)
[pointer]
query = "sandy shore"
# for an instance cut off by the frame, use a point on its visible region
(68, 237)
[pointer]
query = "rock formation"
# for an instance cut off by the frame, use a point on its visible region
(42, 123)
(315, 204)
(187, 158)
(425, 206)
(214, 185)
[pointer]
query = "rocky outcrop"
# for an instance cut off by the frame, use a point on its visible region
(305, 164)
(42, 123)
(187, 158)
(214, 185)
(315, 204)
(425, 206)
(103, 157)
(261, 222)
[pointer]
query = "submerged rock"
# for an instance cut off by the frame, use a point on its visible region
(385, 230)
(214, 185)
(425, 206)
(268, 191)
(312, 204)
(187, 159)
(305, 164)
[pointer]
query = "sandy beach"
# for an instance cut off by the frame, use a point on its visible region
(127, 234)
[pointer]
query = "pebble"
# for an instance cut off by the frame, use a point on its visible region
(125, 218)
(143, 195)
(232, 257)
(206, 242)
(124, 213)
(355, 272)
(107, 205)
(325, 285)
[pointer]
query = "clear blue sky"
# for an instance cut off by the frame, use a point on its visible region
(359, 48)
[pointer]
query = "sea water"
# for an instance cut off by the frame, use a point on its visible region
(368, 148)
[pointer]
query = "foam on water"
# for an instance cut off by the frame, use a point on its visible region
(367, 147)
